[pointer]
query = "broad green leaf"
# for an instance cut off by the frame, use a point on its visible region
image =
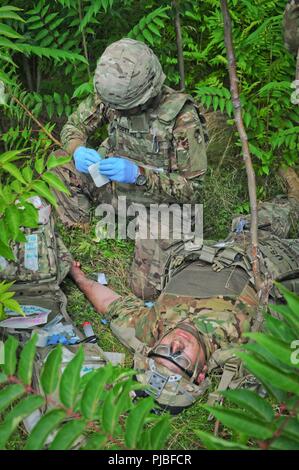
(12, 218)
(67, 435)
(148, 36)
(9, 394)
(95, 442)
(135, 421)
(3, 233)
(284, 443)
(70, 380)
(289, 317)
(42, 190)
(57, 98)
(7, 43)
(93, 389)
(56, 54)
(45, 426)
(109, 419)
(265, 356)
(241, 422)
(154, 29)
(252, 402)
(273, 375)
(9, 8)
(5, 286)
(10, 156)
(29, 216)
(13, 305)
(51, 371)
(10, 352)
(279, 329)
(55, 182)
(54, 161)
(6, 252)
(292, 300)
(39, 165)
(3, 378)
(279, 349)
(9, 14)
(9, 32)
(215, 443)
(23, 409)
(25, 366)
(291, 427)
(14, 171)
(159, 433)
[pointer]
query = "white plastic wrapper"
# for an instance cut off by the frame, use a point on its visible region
(99, 180)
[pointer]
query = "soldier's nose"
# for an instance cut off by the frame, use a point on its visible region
(176, 346)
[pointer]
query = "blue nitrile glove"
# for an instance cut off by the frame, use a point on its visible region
(84, 157)
(119, 169)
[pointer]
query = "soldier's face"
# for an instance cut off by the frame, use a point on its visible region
(182, 341)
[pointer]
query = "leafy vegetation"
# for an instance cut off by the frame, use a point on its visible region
(273, 357)
(95, 408)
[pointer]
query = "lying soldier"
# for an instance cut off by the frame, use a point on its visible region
(207, 303)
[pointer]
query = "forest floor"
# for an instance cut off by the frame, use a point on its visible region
(224, 194)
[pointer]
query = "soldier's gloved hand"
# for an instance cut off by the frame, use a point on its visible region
(119, 169)
(84, 157)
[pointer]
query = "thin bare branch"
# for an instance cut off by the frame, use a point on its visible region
(40, 125)
(244, 141)
(179, 42)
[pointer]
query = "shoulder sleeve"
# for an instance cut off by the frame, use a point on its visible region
(90, 114)
(130, 312)
(189, 142)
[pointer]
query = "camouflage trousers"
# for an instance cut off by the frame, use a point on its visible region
(150, 254)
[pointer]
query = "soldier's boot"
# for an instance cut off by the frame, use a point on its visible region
(292, 181)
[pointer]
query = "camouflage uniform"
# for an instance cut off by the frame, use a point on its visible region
(210, 288)
(166, 137)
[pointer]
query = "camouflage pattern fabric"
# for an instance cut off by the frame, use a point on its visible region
(167, 140)
(276, 217)
(75, 209)
(128, 74)
(220, 303)
(42, 259)
(215, 317)
(291, 26)
(150, 256)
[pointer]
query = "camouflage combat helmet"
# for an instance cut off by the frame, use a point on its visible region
(291, 26)
(128, 74)
(172, 391)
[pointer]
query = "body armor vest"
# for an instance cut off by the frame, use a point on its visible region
(147, 138)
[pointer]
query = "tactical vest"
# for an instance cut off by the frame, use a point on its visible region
(147, 138)
(41, 263)
(279, 261)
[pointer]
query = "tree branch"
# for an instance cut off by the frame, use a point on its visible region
(29, 113)
(244, 141)
(84, 38)
(179, 43)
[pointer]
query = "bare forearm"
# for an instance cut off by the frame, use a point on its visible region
(100, 296)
